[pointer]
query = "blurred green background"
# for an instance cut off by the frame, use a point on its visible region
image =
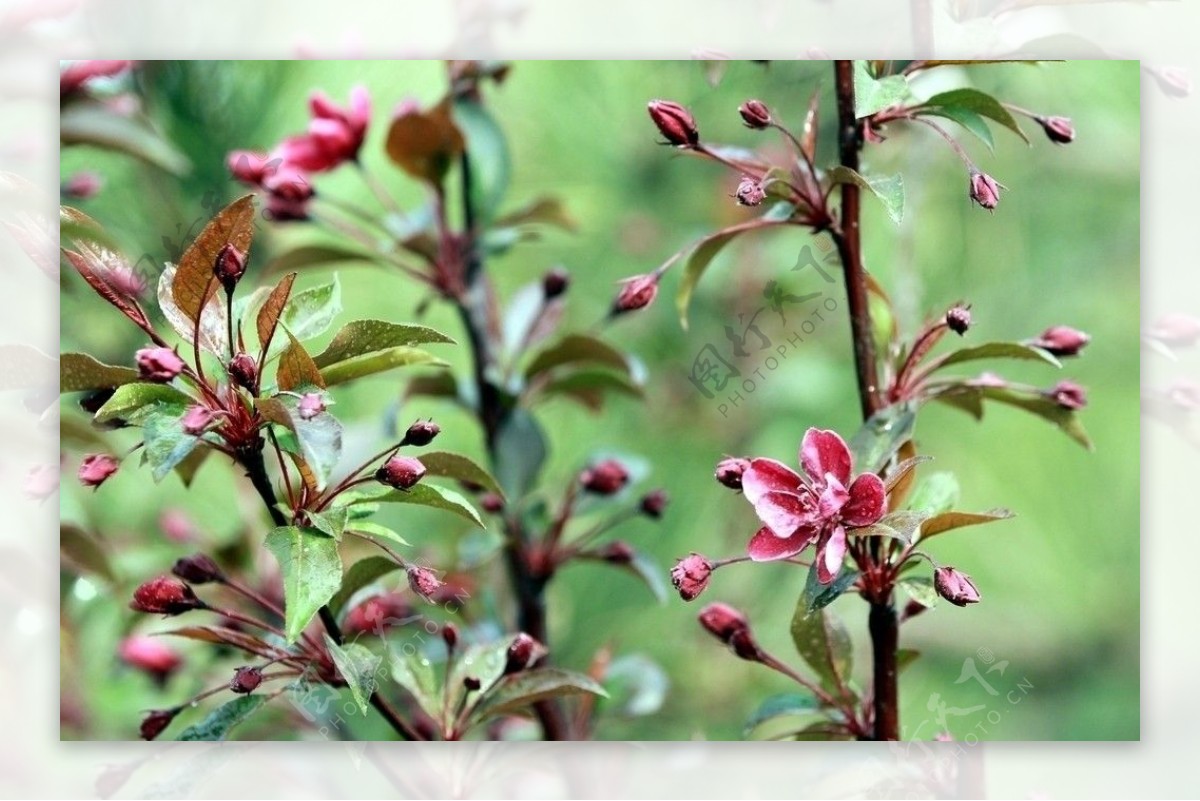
(1060, 617)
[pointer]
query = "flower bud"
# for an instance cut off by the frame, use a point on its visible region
(674, 122)
(750, 192)
(229, 266)
(421, 433)
(177, 526)
(690, 576)
(755, 114)
(555, 282)
(653, 503)
(245, 680)
(250, 167)
(198, 569)
(311, 404)
(165, 596)
(150, 654)
(243, 370)
(450, 635)
(471, 684)
(422, 581)
(605, 478)
(955, 586)
(1182, 330)
(743, 645)
(156, 722)
(1061, 340)
(197, 419)
(96, 468)
(723, 621)
(958, 319)
(636, 293)
(729, 471)
(377, 613)
(617, 553)
(401, 472)
(492, 503)
(83, 185)
(984, 190)
(1068, 395)
(522, 653)
(158, 364)
(1058, 129)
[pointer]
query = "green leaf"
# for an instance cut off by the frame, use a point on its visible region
(487, 152)
(934, 494)
(485, 662)
(380, 362)
(358, 666)
(920, 589)
(520, 453)
(824, 644)
(166, 443)
(871, 95)
(376, 530)
(79, 372)
(889, 189)
(361, 337)
(650, 573)
(332, 521)
(968, 119)
(311, 312)
(434, 497)
(881, 437)
(360, 574)
(456, 466)
(906, 524)
(415, 672)
(823, 731)
(130, 398)
(948, 521)
(85, 553)
(575, 349)
(996, 350)
(1066, 419)
(637, 685)
(589, 387)
(520, 690)
(223, 719)
(321, 255)
(312, 573)
(786, 709)
(706, 250)
(817, 595)
(319, 438)
(978, 102)
(91, 122)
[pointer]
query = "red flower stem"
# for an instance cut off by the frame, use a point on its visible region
(950, 140)
(847, 236)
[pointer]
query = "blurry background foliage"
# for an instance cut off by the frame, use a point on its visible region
(1060, 582)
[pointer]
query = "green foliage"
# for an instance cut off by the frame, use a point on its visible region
(312, 573)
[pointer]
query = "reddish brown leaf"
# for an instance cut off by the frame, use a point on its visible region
(424, 143)
(808, 135)
(268, 315)
(194, 281)
(296, 367)
(223, 636)
(84, 266)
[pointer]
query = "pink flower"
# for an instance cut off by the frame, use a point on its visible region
(690, 576)
(334, 136)
(151, 655)
(250, 167)
(97, 468)
(79, 73)
(798, 510)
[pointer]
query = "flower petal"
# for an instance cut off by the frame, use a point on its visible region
(768, 475)
(766, 547)
(784, 512)
(831, 556)
(824, 452)
(868, 501)
(833, 496)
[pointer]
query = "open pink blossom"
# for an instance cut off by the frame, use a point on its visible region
(814, 507)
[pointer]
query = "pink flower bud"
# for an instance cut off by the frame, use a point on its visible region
(401, 472)
(729, 471)
(177, 526)
(423, 582)
(985, 190)
(83, 185)
(311, 404)
(243, 370)
(1061, 340)
(198, 569)
(755, 114)
(674, 122)
(653, 503)
(955, 586)
(378, 613)
(723, 621)
(229, 266)
(492, 503)
(555, 282)
(958, 319)
(690, 576)
(605, 478)
(151, 655)
(197, 419)
(249, 167)
(450, 635)
(617, 553)
(636, 293)
(421, 433)
(1068, 395)
(522, 653)
(1058, 129)
(158, 364)
(165, 596)
(156, 722)
(245, 680)
(97, 468)
(744, 646)
(750, 193)
(1181, 330)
